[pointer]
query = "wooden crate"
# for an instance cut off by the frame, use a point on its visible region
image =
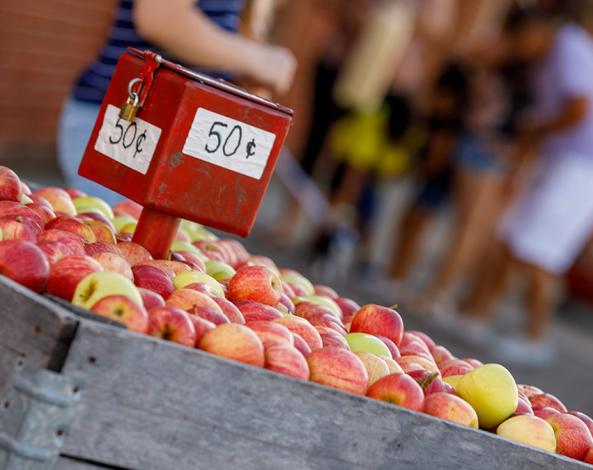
(148, 404)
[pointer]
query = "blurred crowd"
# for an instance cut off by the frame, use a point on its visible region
(485, 110)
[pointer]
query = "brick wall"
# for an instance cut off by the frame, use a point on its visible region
(43, 46)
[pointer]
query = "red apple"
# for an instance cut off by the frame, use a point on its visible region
(258, 260)
(188, 299)
(172, 324)
(547, 399)
(454, 367)
(74, 193)
(101, 230)
(287, 303)
(301, 345)
(319, 316)
(191, 259)
(241, 254)
(378, 320)
(393, 349)
(154, 279)
(584, 418)
(438, 385)
(325, 290)
(255, 283)
(17, 227)
(127, 208)
(203, 288)
(230, 310)
(98, 217)
(286, 360)
(55, 250)
(441, 354)
(412, 345)
(174, 267)
(399, 389)
(409, 363)
(348, 308)
(44, 212)
(73, 225)
(338, 368)
(589, 457)
(253, 311)
(75, 243)
(529, 390)
(114, 263)
(375, 366)
(545, 412)
(573, 438)
(423, 377)
(202, 326)
(451, 408)
(523, 407)
(100, 247)
(14, 209)
(10, 185)
(67, 272)
(151, 299)
(25, 263)
(236, 342)
(210, 314)
(124, 310)
(303, 328)
(330, 337)
(288, 291)
(424, 337)
(271, 334)
(133, 253)
(59, 199)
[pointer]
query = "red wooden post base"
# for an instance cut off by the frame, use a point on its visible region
(156, 232)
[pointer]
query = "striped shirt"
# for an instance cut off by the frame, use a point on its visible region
(94, 80)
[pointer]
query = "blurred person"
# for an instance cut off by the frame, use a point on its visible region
(201, 34)
(550, 219)
(434, 170)
(479, 171)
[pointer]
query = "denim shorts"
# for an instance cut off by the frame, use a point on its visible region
(75, 127)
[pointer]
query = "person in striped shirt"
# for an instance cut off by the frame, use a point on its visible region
(200, 34)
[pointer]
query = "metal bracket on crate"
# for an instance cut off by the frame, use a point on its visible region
(36, 408)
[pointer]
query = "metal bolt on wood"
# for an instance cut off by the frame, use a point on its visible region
(36, 408)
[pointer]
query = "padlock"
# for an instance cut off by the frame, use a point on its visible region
(130, 107)
(198, 148)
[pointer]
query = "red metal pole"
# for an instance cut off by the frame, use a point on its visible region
(155, 232)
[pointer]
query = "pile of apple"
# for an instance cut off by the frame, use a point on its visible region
(213, 295)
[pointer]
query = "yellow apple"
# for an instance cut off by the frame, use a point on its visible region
(92, 203)
(362, 342)
(121, 221)
(529, 430)
(491, 390)
(98, 285)
(186, 278)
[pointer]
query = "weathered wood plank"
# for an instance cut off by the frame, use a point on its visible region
(32, 328)
(67, 463)
(153, 405)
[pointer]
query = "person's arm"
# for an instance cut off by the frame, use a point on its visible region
(573, 111)
(183, 30)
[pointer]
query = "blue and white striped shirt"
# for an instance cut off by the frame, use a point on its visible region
(94, 80)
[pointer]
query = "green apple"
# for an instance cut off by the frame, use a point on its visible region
(178, 245)
(362, 342)
(129, 228)
(453, 380)
(322, 300)
(186, 278)
(491, 390)
(196, 231)
(25, 199)
(95, 286)
(292, 277)
(91, 203)
(120, 221)
(219, 270)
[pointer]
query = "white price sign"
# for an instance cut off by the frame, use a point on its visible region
(229, 143)
(130, 143)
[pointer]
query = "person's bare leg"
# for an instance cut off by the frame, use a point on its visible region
(408, 247)
(477, 205)
(541, 295)
(492, 283)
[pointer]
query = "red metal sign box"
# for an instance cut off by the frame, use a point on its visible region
(198, 148)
